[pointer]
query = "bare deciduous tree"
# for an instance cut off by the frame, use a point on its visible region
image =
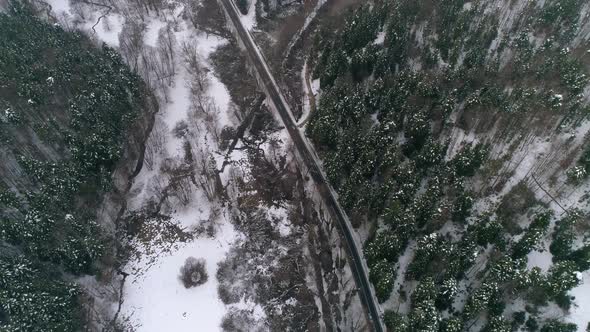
(155, 143)
(192, 62)
(166, 46)
(131, 42)
(206, 173)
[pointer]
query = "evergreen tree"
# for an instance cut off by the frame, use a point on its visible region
(581, 258)
(557, 326)
(462, 207)
(469, 159)
(563, 276)
(30, 303)
(563, 236)
(395, 322)
(382, 275)
(452, 324)
(498, 324)
(386, 245)
(537, 229)
(480, 299)
(447, 292)
(424, 316)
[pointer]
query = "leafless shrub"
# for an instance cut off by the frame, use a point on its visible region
(180, 129)
(226, 136)
(147, 5)
(237, 320)
(206, 175)
(193, 273)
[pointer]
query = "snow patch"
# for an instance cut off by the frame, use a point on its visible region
(153, 31)
(315, 86)
(109, 28)
(580, 312)
(380, 38)
(155, 300)
(249, 20)
(59, 6)
(539, 259)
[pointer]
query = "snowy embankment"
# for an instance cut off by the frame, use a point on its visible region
(153, 297)
(249, 20)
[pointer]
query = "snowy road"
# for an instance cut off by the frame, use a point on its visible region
(306, 152)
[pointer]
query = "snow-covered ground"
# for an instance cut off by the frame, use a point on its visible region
(249, 20)
(59, 7)
(580, 313)
(380, 38)
(154, 299)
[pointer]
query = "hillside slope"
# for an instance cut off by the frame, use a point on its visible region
(456, 135)
(72, 127)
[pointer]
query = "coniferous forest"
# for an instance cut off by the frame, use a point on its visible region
(386, 126)
(66, 106)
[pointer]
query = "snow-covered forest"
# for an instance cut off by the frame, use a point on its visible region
(146, 183)
(197, 217)
(456, 134)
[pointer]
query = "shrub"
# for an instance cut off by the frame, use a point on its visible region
(518, 318)
(243, 6)
(193, 272)
(532, 324)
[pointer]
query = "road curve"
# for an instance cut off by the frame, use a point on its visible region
(358, 265)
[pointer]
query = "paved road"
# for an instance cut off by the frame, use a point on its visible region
(358, 268)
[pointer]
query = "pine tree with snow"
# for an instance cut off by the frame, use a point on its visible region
(424, 315)
(498, 324)
(480, 299)
(451, 324)
(507, 269)
(557, 326)
(469, 159)
(395, 322)
(562, 277)
(386, 245)
(563, 235)
(581, 258)
(537, 229)
(431, 251)
(446, 294)
(382, 274)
